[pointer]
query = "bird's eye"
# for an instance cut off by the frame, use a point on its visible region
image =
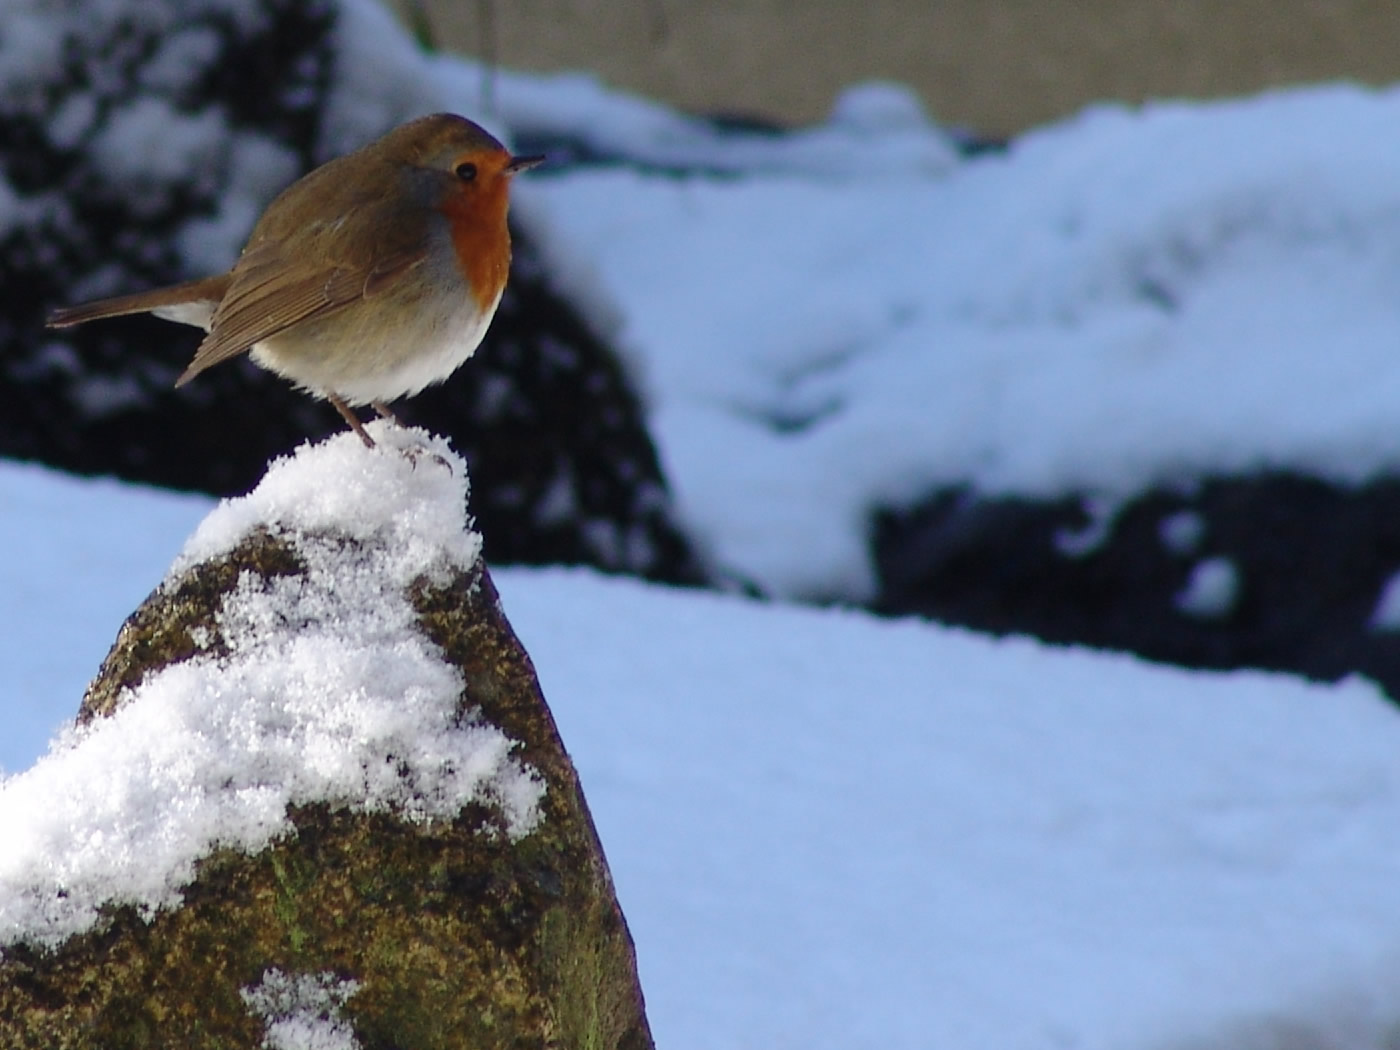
(466, 172)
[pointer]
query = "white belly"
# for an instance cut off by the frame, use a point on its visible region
(364, 362)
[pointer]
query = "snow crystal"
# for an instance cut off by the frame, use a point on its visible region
(1211, 590)
(302, 1011)
(327, 692)
(1121, 854)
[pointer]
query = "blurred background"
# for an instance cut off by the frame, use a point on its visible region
(995, 68)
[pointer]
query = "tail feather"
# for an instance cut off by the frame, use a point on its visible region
(205, 290)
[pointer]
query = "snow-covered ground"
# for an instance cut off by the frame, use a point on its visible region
(833, 831)
(81, 556)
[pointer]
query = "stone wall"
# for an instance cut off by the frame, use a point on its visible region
(993, 66)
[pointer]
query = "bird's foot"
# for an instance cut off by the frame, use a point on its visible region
(413, 452)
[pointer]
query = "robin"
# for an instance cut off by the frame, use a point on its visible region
(366, 280)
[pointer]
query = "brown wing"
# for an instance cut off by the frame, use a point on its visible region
(271, 290)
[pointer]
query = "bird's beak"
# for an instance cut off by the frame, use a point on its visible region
(516, 165)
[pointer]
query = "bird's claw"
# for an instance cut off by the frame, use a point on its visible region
(413, 452)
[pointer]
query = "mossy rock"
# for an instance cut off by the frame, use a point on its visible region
(455, 935)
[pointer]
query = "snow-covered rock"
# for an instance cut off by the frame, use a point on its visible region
(316, 761)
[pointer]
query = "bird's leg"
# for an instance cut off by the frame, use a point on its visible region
(386, 412)
(352, 419)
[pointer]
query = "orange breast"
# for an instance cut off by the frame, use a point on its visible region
(481, 241)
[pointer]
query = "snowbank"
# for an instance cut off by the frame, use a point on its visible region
(830, 830)
(1126, 299)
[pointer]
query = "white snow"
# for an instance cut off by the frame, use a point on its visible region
(1386, 615)
(1211, 590)
(1101, 513)
(1182, 532)
(148, 137)
(71, 578)
(1127, 298)
(302, 1011)
(829, 830)
(417, 516)
(327, 692)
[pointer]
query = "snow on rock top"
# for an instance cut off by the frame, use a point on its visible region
(398, 495)
(327, 692)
